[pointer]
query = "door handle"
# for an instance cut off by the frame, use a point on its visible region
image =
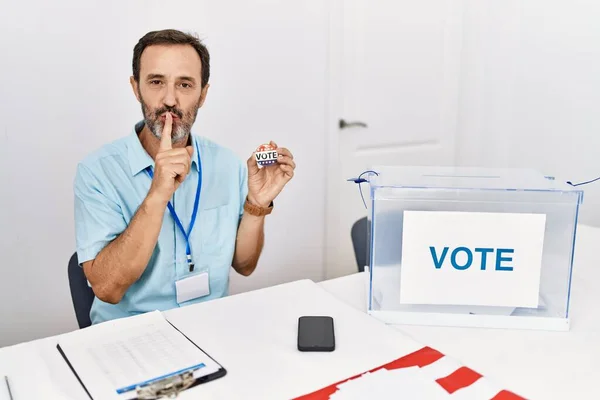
(344, 124)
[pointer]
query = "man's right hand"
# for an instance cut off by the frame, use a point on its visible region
(171, 165)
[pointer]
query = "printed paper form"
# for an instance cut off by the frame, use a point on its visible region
(113, 357)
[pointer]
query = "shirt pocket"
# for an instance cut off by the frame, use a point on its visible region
(213, 222)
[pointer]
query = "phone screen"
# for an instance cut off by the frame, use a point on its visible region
(315, 333)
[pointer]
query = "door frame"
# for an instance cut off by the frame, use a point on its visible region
(334, 110)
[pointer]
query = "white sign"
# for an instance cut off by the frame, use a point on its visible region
(471, 258)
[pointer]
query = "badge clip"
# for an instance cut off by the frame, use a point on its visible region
(190, 263)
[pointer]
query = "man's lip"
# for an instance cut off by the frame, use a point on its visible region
(164, 116)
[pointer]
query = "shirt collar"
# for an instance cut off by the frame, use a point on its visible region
(139, 159)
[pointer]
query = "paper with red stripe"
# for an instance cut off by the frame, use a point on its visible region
(457, 380)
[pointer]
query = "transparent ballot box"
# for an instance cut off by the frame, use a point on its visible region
(470, 247)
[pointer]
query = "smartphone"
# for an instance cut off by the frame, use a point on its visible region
(316, 333)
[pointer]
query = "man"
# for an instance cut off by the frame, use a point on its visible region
(161, 215)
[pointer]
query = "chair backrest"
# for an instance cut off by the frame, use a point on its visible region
(360, 234)
(81, 294)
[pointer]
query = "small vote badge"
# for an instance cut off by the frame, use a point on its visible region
(265, 155)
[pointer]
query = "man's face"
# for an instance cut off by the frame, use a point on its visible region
(170, 81)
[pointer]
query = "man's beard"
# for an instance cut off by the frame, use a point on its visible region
(181, 128)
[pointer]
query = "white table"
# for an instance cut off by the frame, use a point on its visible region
(535, 364)
(253, 335)
(538, 365)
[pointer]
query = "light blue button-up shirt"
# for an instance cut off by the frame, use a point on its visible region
(111, 184)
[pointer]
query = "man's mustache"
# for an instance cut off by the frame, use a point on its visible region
(163, 110)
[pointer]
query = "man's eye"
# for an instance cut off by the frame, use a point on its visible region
(155, 82)
(186, 85)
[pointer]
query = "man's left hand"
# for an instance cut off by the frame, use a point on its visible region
(265, 184)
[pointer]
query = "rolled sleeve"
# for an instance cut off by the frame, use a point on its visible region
(243, 187)
(98, 218)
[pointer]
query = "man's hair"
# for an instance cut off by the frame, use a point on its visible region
(171, 36)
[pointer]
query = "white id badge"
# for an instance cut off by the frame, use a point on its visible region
(192, 287)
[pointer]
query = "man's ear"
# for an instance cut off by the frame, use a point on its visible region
(203, 95)
(135, 86)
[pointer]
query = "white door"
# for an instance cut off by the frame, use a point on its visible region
(397, 71)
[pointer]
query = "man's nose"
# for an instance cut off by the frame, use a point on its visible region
(170, 99)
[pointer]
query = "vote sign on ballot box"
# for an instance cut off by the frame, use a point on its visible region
(471, 247)
(471, 258)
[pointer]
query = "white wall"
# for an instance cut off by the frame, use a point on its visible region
(530, 90)
(64, 92)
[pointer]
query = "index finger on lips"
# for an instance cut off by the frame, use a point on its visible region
(165, 140)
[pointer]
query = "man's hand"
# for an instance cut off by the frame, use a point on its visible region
(171, 165)
(264, 184)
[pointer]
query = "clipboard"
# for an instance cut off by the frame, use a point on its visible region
(168, 386)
